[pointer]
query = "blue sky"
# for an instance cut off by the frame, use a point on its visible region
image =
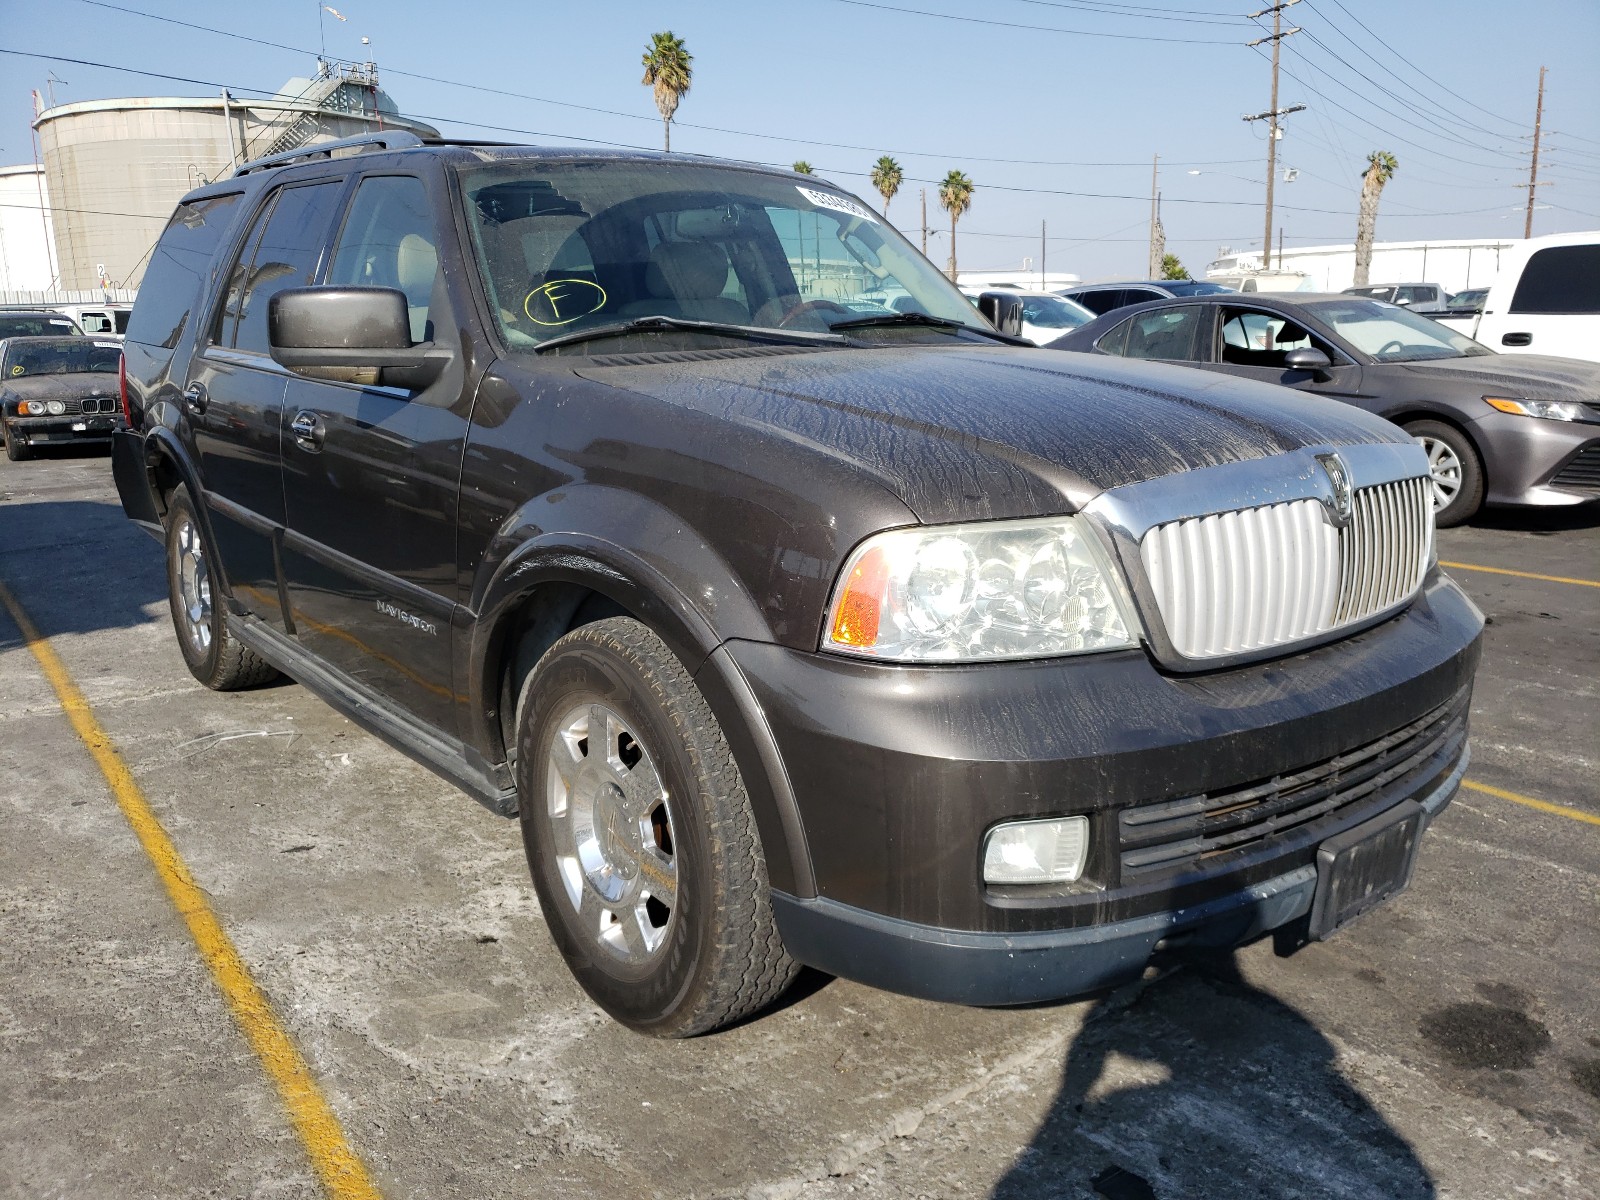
(1054, 127)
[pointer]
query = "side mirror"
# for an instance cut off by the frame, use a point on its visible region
(1308, 358)
(338, 331)
(1003, 310)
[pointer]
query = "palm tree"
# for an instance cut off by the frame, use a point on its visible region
(955, 196)
(1381, 166)
(667, 69)
(803, 168)
(887, 177)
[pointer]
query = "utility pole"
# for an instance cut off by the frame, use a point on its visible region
(1155, 222)
(1533, 170)
(924, 222)
(1042, 239)
(1274, 130)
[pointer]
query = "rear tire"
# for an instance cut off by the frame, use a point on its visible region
(201, 620)
(641, 838)
(16, 449)
(1456, 470)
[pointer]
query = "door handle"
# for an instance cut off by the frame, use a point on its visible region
(1517, 339)
(308, 429)
(195, 398)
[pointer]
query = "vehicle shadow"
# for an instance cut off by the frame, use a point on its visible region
(77, 566)
(1201, 1085)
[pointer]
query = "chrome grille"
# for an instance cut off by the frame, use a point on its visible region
(1235, 582)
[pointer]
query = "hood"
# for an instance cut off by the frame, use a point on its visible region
(1519, 376)
(60, 387)
(974, 433)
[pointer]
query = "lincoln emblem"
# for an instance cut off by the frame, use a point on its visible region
(1342, 504)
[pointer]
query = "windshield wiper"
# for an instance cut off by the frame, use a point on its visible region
(920, 318)
(656, 324)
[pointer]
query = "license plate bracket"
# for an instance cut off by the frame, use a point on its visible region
(1362, 867)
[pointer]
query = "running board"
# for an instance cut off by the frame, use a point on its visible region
(445, 756)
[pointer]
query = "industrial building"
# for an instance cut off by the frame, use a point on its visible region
(1455, 264)
(114, 169)
(27, 254)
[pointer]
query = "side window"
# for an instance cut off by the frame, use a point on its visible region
(1168, 333)
(1252, 338)
(178, 268)
(1114, 342)
(285, 257)
(388, 241)
(1560, 279)
(1102, 301)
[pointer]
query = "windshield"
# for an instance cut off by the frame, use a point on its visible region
(66, 356)
(563, 246)
(1054, 312)
(34, 325)
(1391, 334)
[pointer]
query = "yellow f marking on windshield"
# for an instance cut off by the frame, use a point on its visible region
(337, 1165)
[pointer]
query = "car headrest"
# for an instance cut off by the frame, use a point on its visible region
(687, 270)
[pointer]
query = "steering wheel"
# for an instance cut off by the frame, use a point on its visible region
(1388, 346)
(806, 306)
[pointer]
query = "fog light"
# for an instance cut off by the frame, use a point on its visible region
(1049, 851)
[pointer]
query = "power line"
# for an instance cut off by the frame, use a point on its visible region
(1186, 16)
(452, 120)
(609, 112)
(1127, 37)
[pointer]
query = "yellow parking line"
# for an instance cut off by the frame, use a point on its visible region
(1560, 810)
(1454, 566)
(340, 1169)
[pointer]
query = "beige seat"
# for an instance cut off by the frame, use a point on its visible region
(686, 279)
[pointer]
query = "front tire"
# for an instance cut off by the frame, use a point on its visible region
(201, 620)
(1455, 469)
(640, 836)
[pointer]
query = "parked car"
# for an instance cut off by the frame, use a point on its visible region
(1045, 316)
(793, 634)
(1264, 281)
(1469, 301)
(102, 320)
(1425, 298)
(56, 390)
(1501, 429)
(36, 322)
(1546, 298)
(1100, 298)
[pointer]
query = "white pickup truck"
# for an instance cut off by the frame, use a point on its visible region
(1546, 299)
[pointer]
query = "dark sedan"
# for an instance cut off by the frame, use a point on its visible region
(1508, 429)
(57, 389)
(1104, 297)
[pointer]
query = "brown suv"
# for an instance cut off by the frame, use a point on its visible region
(795, 628)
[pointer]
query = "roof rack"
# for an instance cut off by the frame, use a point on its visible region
(396, 139)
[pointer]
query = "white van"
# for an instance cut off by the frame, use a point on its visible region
(99, 320)
(1546, 299)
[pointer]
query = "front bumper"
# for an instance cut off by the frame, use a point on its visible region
(49, 431)
(899, 772)
(1028, 968)
(1527, 459)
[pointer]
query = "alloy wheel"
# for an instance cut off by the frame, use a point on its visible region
(1444, 468)
(194, 586)
(614, 840)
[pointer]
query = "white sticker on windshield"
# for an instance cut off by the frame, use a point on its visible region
(837, 203)
(109, 345)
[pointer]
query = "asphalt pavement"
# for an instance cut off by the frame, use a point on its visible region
(1445, 1045)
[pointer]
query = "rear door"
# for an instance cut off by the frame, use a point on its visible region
(370, 494)
(233, 398)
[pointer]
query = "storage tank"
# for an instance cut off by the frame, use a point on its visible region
(114, 169)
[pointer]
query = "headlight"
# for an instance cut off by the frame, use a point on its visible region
(1554, 410)
(971, 593)
(31, 408)
(57, 408)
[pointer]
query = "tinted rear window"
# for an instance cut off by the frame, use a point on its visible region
(178, 269)
(34, 326)
(1561, 279)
